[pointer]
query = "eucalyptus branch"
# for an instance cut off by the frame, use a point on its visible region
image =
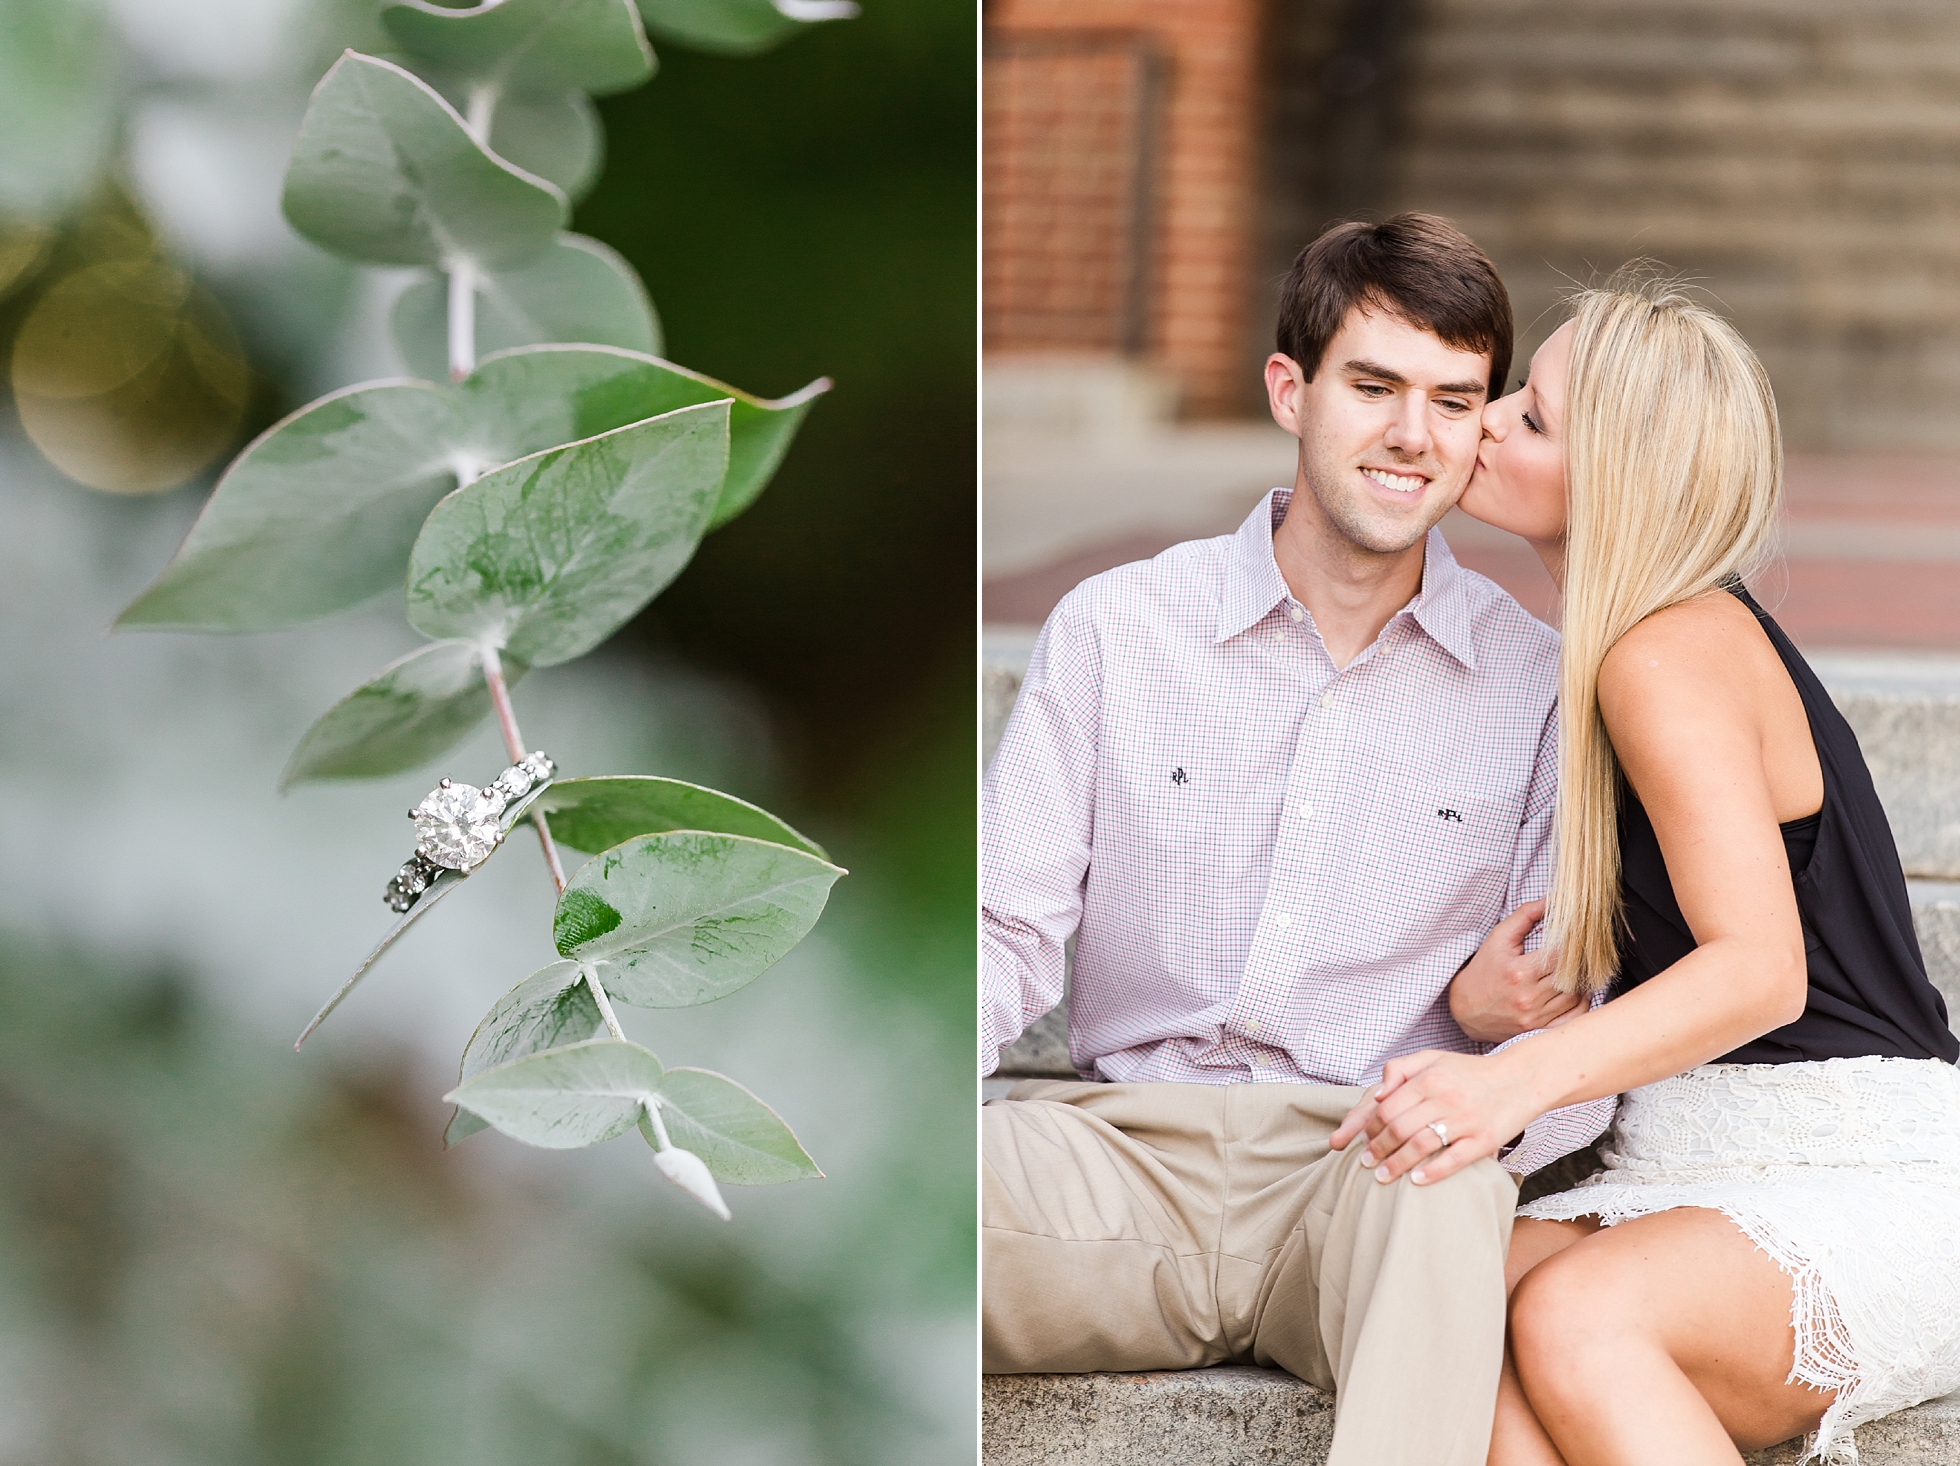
(482, 107)
(614, 464)
(605, 1003)
(462, 320)
(651, 1106)
(493, 677)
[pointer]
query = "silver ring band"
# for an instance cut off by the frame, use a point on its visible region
(457, 826)
(1442, 1131)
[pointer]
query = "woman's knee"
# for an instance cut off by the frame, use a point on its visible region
(1534, 1242)
(1566, 1315)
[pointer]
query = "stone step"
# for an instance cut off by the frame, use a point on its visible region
(1906, 712)
(1568, 137)
(1242, 1416)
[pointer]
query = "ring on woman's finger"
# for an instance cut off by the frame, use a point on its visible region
(1442, 1131)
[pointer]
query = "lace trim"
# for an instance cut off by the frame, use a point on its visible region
(1846, 1174)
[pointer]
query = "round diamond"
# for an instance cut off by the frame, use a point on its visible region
(457, 827)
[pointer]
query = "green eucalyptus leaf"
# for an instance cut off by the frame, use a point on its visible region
(577, 291)
(384, 170)
(690, 917)
(59, 104)
(412, 710)
(581, 918)
(737, 27)
(742, 1140)
(319, 512)
(565, 1097)
(559, 138)
(550, 555)
(759, 436)
(597, 814)
(509, 46)
(439, 888)
(552, 1007)
(556, 135)
(607, 387)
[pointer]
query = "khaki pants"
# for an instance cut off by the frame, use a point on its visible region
(1172, 1226)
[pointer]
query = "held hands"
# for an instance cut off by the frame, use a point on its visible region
(1473, 1099)
(1503, 990)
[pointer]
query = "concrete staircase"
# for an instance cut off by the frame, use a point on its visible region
(1906, 712)
(1795, 155)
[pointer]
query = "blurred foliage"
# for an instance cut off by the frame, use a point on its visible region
(206, 1258)
(812, 210)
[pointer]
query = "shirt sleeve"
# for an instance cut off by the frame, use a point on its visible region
(1037, 822)
(1556, 1132)
(1531, 865)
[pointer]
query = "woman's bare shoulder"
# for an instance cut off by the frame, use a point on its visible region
(1690, 663)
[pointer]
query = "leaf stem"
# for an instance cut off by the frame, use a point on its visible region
(482, 107)
(604, 1002)
(652, 1107)
(493, 678)
(462, 320)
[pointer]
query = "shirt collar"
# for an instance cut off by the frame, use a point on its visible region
(1253, 584)
(1442, 606)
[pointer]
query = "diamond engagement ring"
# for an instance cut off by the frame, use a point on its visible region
(1442, 1131)
(458, 825)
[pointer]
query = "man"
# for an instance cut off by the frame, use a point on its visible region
(1283, 786)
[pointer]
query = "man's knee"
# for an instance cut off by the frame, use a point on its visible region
(1481, 1191)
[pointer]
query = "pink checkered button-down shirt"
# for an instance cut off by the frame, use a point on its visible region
(1272, 867)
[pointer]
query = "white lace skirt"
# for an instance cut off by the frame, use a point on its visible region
(1847, 1173)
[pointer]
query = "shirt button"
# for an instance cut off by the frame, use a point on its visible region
(1252, 1025)
(1282, 920)
(1306, 811)
(1327, 699)
(1296, 613)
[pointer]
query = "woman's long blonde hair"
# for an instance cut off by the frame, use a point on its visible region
(1673, 471)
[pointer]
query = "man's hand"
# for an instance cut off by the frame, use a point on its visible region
(1503, 990)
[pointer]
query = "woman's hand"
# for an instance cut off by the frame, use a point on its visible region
(1503, 990)
(1476, 1100)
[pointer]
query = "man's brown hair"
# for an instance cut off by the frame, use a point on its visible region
(1416, 266)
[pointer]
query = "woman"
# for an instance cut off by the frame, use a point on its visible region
(1774, 1246)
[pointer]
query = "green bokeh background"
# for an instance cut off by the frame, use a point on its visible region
(213, 1252)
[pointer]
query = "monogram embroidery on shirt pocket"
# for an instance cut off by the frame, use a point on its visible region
(1465, 836)
(1443, 845)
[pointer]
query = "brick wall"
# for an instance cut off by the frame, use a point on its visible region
(1205, 191)
(1070, 121)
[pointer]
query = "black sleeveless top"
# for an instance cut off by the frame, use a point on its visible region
(1868, 988)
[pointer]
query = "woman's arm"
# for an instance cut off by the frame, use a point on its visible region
(1701, 724)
